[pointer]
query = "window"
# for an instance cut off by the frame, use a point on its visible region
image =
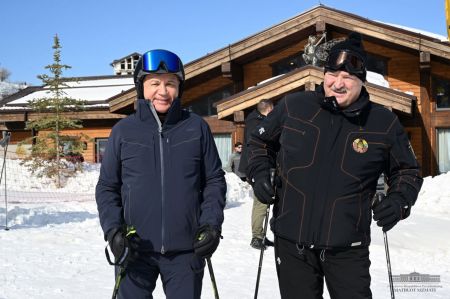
(441, 92)
(443, 140)
(288, 64)
(376, 64)
(204, 106)
(223, 144)
(100, 147)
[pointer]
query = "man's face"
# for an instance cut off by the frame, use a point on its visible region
(238, 148)
(161, 90)
(342, 85)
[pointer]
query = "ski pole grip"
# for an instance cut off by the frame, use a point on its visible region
(377, 199)
(272, 177)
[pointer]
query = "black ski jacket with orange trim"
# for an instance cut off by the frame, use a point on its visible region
(329, 161)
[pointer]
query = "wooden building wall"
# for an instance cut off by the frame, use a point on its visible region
(204, 88)
(261, 69)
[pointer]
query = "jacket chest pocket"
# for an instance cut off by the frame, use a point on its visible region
(186, 153)
(299, 143)
(137, 158)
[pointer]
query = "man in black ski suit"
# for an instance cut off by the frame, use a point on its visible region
(333, 146)
(255, 117)
(161, 191)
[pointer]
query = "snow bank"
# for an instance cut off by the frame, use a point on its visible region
(434, 197)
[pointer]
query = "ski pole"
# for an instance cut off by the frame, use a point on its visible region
(261, 253)
(388, 261)
(378, 199)
(122, 264)
(213, 279)
(266, 220)
(119, 277)
(4, 143)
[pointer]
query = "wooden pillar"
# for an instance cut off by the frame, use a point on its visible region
(235, 72)
(310, 86)
(240, 126)
(428, 157)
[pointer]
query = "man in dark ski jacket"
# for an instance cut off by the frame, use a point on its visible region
(255, 117)
(161, 191)
(333, 146)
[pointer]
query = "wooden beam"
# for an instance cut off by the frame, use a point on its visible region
(105, 114)
(272, 89)
(321, 26)
(388, 34)
(239, 116)
(306, 77)
(425, 60)
(123, 101)
(13, 117)
(310, 86)
(232, 70)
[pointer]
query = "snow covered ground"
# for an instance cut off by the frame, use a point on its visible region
(55, 249)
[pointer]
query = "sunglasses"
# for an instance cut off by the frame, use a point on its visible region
(350, 61)
(154, 60)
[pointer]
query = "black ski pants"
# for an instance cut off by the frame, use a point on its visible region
(301, 271)
(181, 276)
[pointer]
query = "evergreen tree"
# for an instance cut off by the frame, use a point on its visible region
(4, 74)
(56, 115)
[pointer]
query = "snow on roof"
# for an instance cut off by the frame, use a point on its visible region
(86, 90)
(100, 82)
(376, 79)
(442, 38)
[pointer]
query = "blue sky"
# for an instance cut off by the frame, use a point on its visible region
(95, 32)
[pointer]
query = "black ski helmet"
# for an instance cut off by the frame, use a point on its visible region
(158, 61)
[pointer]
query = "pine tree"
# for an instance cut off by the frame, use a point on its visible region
(51, 142)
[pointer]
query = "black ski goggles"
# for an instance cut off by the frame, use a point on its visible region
(351, 62)
(153, 60)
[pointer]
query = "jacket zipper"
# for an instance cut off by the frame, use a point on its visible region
(161, 155)
(322, 196)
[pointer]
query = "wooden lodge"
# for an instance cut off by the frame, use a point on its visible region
(409, 72)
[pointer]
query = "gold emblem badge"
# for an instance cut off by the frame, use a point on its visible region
(360, 145)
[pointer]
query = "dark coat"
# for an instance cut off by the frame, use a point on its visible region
(329, 163)
(251, 122)
(165, 181)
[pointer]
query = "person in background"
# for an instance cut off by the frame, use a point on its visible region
(234, 161)
(330, 146)
(161, 190)
(263, 108)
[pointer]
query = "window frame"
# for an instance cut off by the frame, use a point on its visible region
(434, 95)
(438, 151)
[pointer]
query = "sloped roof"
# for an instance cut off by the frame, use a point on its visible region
(94, 90)
(396, 35)
(299, 79)
(351, 22)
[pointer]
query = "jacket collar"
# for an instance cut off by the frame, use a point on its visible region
(355, 109)
(174, 115)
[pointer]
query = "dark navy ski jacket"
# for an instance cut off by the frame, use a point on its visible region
(329, 163)
(166, 181)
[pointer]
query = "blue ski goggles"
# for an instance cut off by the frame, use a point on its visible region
(351, 62)
(154, 60)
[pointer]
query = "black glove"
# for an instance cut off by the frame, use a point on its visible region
(390, 211)
(263, 190)
(124, 244)
(206, 241)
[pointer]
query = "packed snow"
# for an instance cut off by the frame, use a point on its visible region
(54, 247)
